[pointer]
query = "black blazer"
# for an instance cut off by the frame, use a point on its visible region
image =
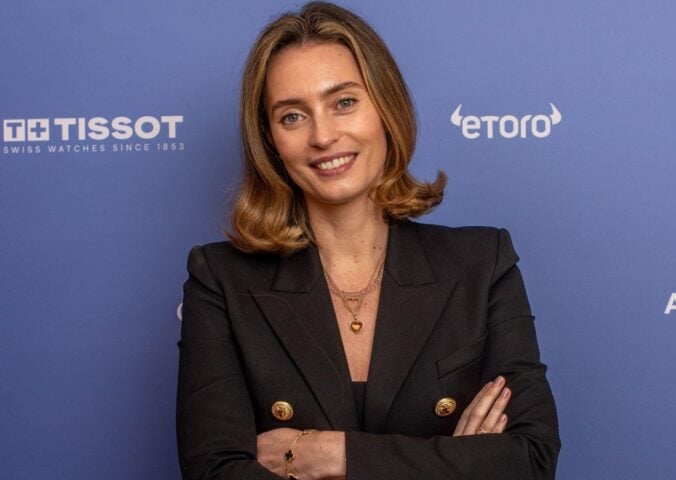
(453, 314)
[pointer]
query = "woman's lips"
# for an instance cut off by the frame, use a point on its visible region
(334, 165)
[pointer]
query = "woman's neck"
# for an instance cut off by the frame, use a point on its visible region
(351, 239)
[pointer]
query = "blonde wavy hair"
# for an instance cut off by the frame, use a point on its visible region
(269, 212)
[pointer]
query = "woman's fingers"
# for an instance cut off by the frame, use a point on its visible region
(462, 423)
(496, 420)
(485, 413)
(477, 417)
(500, 425)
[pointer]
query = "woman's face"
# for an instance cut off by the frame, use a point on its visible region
(323, 123)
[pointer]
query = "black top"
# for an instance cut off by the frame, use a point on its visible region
(359, 389)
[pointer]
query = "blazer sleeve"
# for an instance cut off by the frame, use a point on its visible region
(529, 447)
(214, 417)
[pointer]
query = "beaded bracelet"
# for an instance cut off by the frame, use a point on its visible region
(289, 456)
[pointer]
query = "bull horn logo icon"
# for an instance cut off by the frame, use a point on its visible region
(456, 118)
(555, 116)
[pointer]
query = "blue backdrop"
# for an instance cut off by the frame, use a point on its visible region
(119, 152)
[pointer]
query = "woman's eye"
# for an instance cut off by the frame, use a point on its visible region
(290, 118)
(346, 102)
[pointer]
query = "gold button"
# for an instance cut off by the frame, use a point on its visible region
(445, 407)
(282, 411)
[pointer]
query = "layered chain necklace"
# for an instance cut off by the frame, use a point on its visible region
(354, 300)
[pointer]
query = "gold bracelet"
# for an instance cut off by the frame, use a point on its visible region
(289, 456)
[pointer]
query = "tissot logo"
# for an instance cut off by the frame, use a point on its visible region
(505, 126)
(96, 128)
(28, 136)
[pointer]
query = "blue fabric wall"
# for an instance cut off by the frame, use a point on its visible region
(94, 240)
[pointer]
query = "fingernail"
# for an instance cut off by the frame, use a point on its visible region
(505, 393)
(503, 418)
(500, 380)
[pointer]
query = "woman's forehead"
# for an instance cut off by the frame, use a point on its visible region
(310, 69)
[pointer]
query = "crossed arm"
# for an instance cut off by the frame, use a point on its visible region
(321, 455)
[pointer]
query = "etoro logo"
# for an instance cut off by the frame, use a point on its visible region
(506, 126)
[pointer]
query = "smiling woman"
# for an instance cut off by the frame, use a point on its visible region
(324, 125)
(332, 337)
(281, 221)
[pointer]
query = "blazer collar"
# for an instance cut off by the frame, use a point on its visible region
(406, 260)
(412, 300)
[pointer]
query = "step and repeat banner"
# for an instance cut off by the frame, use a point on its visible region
(119, 152)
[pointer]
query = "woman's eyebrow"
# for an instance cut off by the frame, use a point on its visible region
(327, 92)
(338, 87)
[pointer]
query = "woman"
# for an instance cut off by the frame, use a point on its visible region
(333, 338)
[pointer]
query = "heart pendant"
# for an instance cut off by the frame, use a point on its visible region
(356, 326)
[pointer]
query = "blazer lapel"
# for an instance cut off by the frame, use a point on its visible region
(299, 309)
(411, 302)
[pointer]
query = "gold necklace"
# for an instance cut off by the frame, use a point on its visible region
(353, 300)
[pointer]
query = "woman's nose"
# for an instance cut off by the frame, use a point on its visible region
(324, 132)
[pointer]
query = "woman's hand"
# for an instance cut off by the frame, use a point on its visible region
(318, 455)
(485, 413)
(272, 446)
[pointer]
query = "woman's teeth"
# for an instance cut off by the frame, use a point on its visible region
(335, 163)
